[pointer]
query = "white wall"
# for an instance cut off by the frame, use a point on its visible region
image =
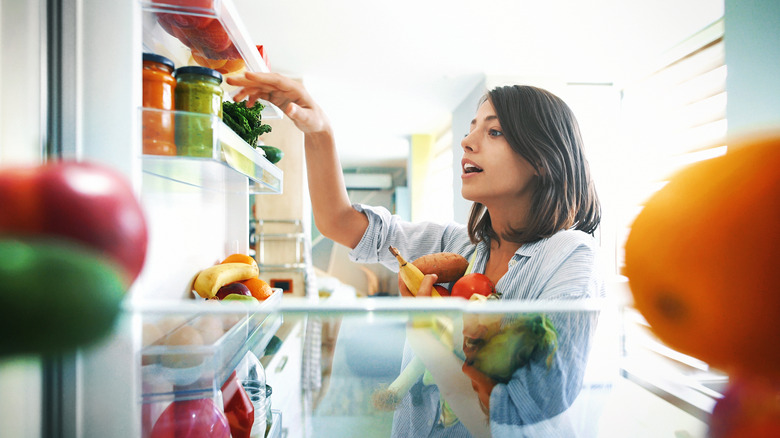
(753, 62)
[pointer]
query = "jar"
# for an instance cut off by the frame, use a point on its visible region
(158, 93)
(198, 90)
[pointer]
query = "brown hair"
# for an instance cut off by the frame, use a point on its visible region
(541, 128)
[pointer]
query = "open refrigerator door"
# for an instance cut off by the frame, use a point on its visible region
(86, 62)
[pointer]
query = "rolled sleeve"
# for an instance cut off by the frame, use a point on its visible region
(411, 239)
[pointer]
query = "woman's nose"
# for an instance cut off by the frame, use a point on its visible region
(466, 143)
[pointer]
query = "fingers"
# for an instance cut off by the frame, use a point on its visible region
(426, 286)
(481, 383)
(402, 288)
(271, 87)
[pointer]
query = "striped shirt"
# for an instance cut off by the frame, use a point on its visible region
(561, 267)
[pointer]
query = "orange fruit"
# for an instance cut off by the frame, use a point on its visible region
(231, 65)
(259, 288)
(702, 258)
(240, 258)
(204, 61)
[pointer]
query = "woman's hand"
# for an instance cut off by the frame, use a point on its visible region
(481, 383)
(287, 94)
(425, 287)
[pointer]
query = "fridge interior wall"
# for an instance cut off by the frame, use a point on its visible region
(190, 228)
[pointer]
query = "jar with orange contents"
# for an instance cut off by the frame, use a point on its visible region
(158, 119)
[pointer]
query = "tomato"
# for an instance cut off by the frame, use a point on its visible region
(185, 19)
(474, 283)
(84, 202)
(231, 53)
(210, 39)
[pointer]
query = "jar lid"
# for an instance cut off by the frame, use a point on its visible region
(158, 58)
(198, 70)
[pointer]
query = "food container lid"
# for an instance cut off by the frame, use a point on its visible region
(158, 58)
(198, 70)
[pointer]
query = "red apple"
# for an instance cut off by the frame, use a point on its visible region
(233, 288)
(83, 202)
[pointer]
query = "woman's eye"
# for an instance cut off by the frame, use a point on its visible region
(495, 133)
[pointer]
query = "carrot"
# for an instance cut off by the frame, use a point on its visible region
(447, 265)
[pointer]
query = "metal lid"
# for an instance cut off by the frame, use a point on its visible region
(198, 70)
(158, 58)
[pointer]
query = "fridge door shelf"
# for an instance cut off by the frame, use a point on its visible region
(174, 372)
(275, 431)
(204, 32)
(222, 149)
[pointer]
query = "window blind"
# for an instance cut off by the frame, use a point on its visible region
(674, 116)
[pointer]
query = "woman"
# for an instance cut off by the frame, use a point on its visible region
(530, 231)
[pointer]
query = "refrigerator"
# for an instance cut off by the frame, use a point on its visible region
(71, 89)
(73, 72)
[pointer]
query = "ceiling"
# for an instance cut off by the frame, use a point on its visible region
(385, 70)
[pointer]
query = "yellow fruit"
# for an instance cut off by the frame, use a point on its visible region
(410, 274)
(209, 280)
(702, 259)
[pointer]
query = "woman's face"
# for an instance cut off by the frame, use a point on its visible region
(492, 173)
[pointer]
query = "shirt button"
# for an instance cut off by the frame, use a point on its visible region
(512, 262)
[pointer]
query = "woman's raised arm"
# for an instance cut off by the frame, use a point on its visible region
(333, 213)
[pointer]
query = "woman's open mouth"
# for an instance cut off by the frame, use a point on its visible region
(471, 168)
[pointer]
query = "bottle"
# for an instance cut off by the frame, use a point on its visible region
(198, 90)
(158, 103)
(251, 374)
(268, 415)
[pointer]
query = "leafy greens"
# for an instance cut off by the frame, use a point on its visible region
(246, 122)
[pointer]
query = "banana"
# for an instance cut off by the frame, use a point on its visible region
(209, 280)
(411, 275)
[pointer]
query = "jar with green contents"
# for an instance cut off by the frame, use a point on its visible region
(198, 90)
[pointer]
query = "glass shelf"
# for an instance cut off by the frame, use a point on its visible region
(222, 162)
(357, 345)
(206, 33)
(173, 372)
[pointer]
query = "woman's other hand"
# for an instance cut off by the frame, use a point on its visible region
(287, 94)
(481, 383)
(425, 287)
